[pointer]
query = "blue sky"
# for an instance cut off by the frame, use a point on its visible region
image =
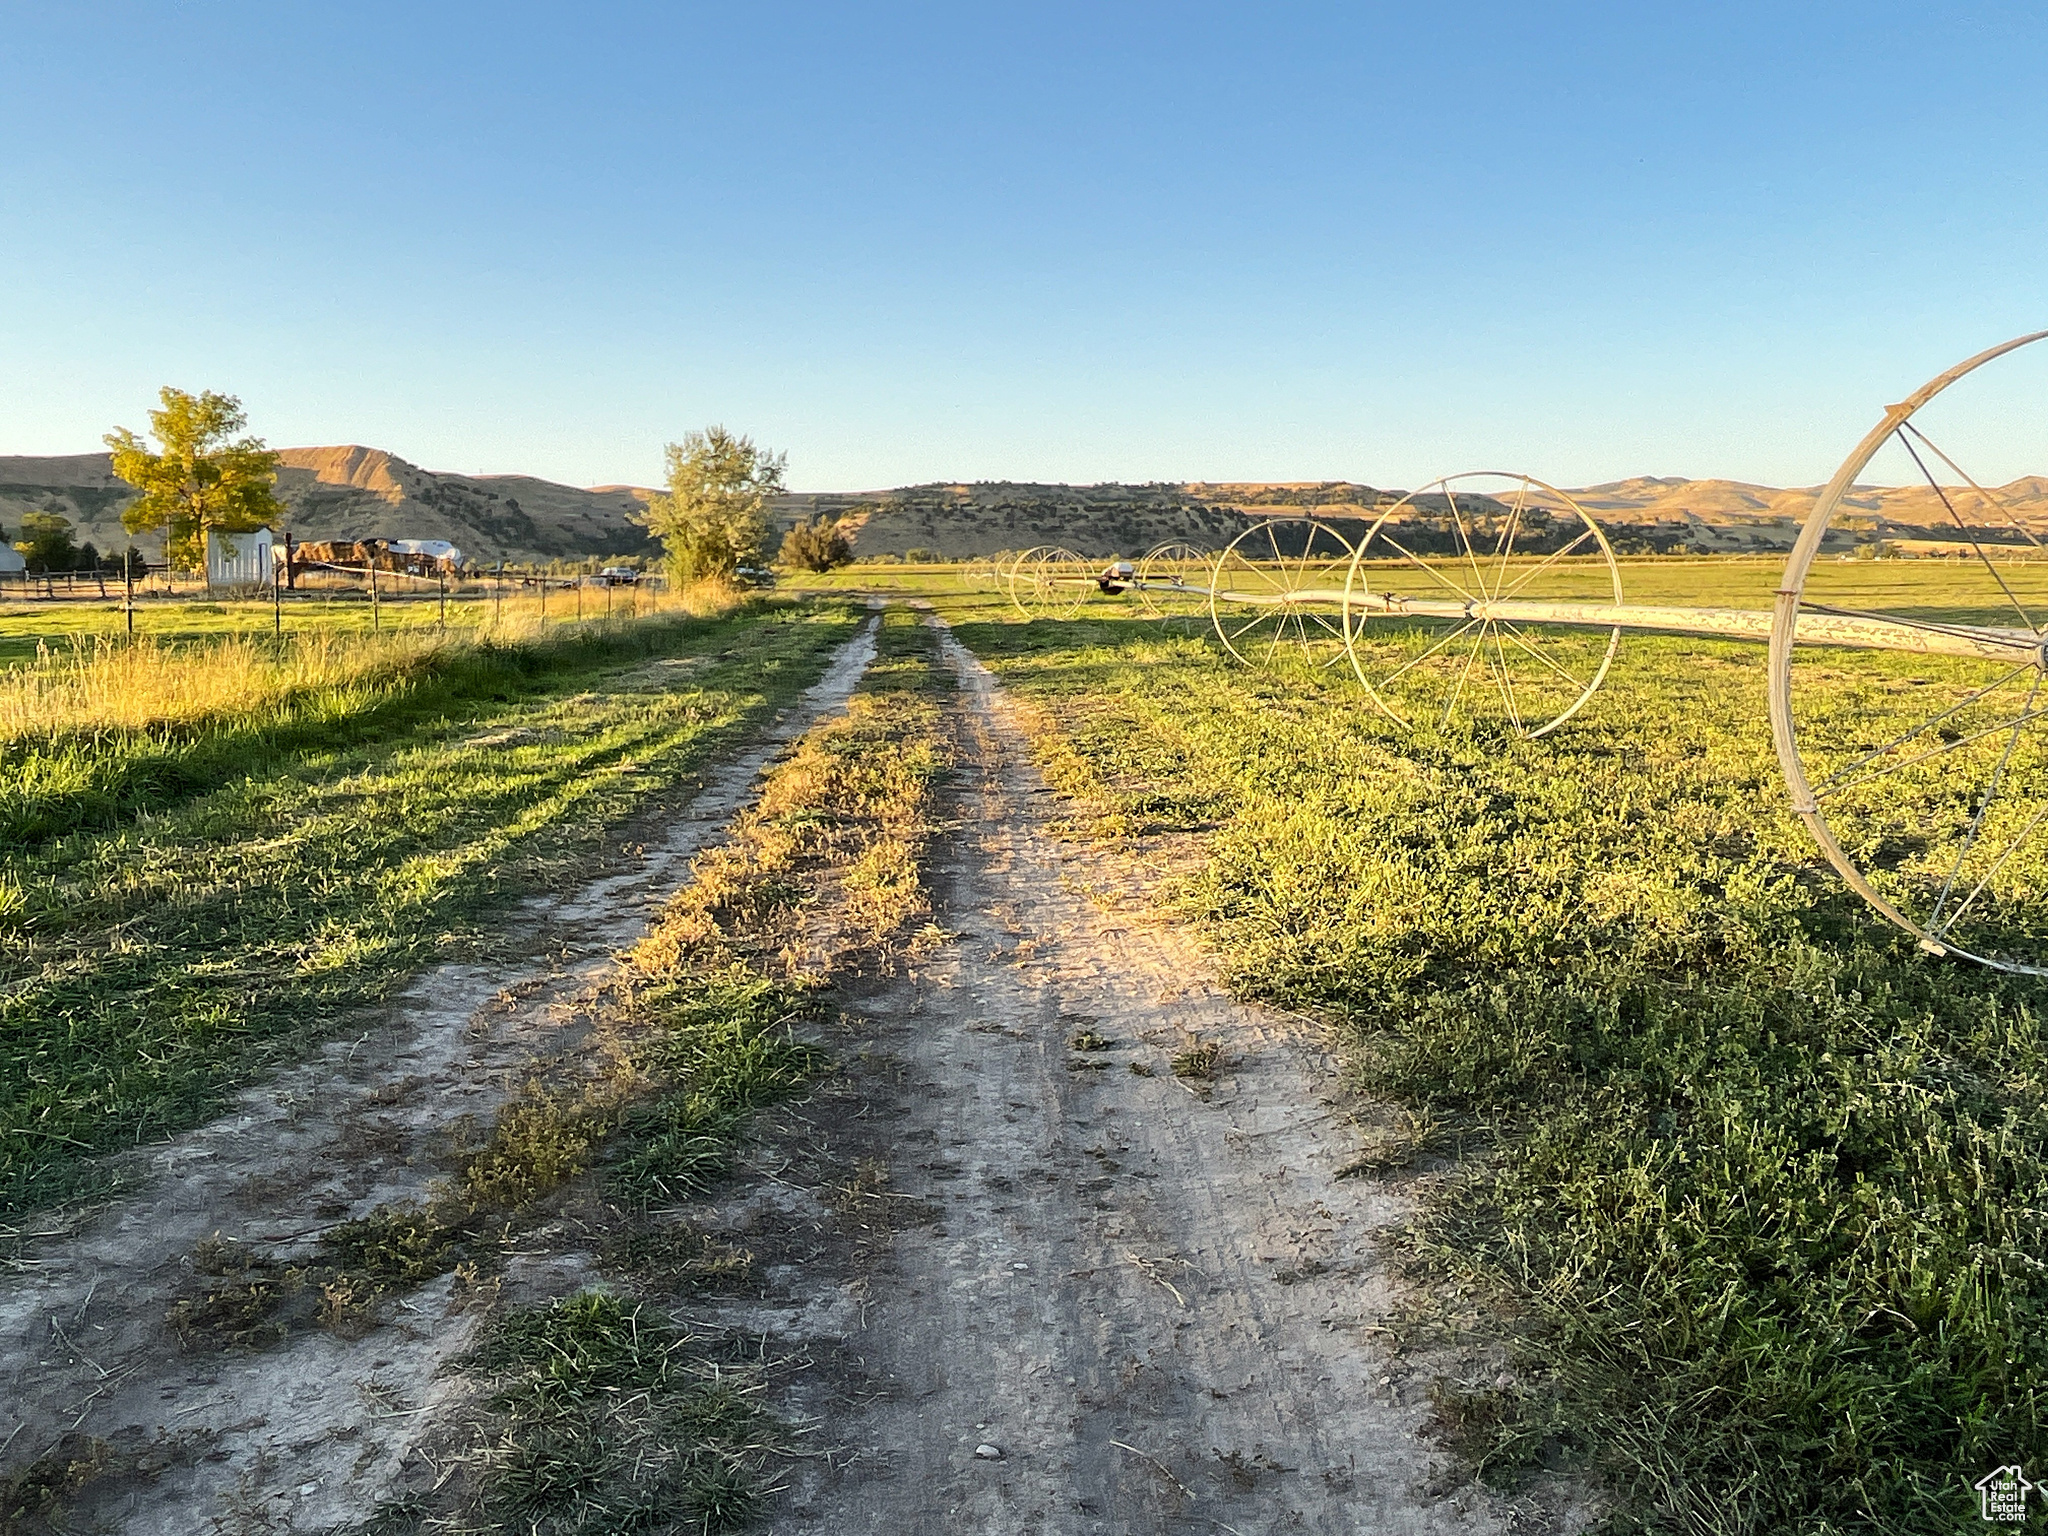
(1059, 242)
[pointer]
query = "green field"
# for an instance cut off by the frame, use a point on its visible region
(185, 904)
(1752, 1189)
(27, 626)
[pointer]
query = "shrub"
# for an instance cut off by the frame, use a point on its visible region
(816, 546)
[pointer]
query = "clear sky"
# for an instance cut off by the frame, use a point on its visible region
(1038, 241)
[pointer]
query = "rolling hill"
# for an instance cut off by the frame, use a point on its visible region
(357, 492)
(352, 493)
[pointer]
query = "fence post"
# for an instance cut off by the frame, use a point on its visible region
(376, 622)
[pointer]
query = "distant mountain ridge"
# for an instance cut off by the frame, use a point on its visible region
(353, 492)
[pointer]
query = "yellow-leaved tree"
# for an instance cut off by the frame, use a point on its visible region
(205, 479)
(714, 514)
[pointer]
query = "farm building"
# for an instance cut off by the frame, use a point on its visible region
(238, 559)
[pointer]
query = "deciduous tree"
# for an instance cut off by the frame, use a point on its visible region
(714, 514)
(816, 546)
(45, 541)
(205, 479)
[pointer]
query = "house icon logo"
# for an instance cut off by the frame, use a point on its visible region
(2002, 1495)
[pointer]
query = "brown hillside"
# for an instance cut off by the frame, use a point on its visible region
(352, 492)
(965, 521)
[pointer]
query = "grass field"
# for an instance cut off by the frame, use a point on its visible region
(1753, 1189)
(184, 902)
(30, 627)
(1750, 1188)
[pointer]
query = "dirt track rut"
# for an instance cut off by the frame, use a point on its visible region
(1149, 1294)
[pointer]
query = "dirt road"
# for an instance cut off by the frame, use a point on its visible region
(1145, 1303)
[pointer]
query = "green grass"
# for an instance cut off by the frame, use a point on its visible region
(148, 969)
(25, 626)
(614, 1420)
(724, 1044)
(52, 785)
(1760, 1188)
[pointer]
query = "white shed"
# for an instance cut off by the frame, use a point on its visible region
(238, 559)
(10, 560)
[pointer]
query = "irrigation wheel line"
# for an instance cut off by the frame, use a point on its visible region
(1454, 629)
(2015, 787)
(1007, 576)
(1050, 583)
(1272, 590)
(1173, 582)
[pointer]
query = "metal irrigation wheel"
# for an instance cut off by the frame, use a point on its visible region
(1278, 590)
(1050, 583)
(1173, 584)
(1421, 623)
(1919, 759)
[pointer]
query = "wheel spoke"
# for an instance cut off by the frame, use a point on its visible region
(1957, 518)
(1549, 560)
(1928, 724)
(1450, 705)
(2011, 518)
(1465, 540)
(1964, 905)
(1419, 660)
(1516, 636)
(1253, 576)
(1507, 539)
(1438, 576)
(1983, 807)
(1507, 687)
(1249, 624)
(1947, 746)
(1308, 553)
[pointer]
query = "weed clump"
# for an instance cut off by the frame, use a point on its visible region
(725, 1047)
(608, 1417)
(540, 1140)
(33, 1498)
